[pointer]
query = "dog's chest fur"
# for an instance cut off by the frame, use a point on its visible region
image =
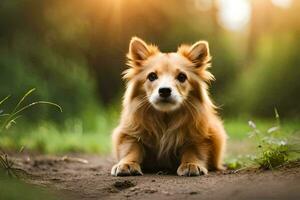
(162, 140)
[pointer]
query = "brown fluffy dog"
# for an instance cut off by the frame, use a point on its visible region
(168, 120)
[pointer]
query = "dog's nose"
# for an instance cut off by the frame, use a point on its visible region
(164, 92)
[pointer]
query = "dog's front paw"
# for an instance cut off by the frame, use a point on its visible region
(191, 169)
(126, 169)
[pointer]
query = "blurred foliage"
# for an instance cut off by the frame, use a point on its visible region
(49, 138)
(272, 81)
(27, 60)
(73, 52)
(46, 137)
(14, 189)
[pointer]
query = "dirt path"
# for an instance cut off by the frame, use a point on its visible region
(79, 180)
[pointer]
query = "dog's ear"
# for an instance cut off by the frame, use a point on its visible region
(138, 49)
(198, 53)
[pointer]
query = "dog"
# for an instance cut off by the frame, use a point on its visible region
(168, 121)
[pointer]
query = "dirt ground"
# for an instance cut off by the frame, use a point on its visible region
(74, 178)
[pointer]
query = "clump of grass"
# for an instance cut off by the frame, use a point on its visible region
(6, 164)
(273, 149)
(273, 143)
(9, 119)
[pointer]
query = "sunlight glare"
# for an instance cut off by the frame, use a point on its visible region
(282, 3)
(234, 15)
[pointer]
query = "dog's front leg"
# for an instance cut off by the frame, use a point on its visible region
(193, 161)
(130, 154)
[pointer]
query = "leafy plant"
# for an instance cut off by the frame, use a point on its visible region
(274, 150)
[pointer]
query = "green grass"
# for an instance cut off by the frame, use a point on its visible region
(268, 144)
(10, 118)
(47, 138)
(90, 134)
(238, 129)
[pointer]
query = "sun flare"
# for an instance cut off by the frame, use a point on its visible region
(234, 15)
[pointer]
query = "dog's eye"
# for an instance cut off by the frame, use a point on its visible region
(152, 76)
(181, 77)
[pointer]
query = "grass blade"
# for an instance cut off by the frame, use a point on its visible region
(12, 114)
(2, 101)
(277, 116)
(2, 162)
(36, 103)
(22, 99)
(12, 121)
(11, 117)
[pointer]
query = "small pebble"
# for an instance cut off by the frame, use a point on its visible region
(166, 192)
(151, 190)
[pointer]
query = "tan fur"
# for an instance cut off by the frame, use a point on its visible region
(191, 138)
